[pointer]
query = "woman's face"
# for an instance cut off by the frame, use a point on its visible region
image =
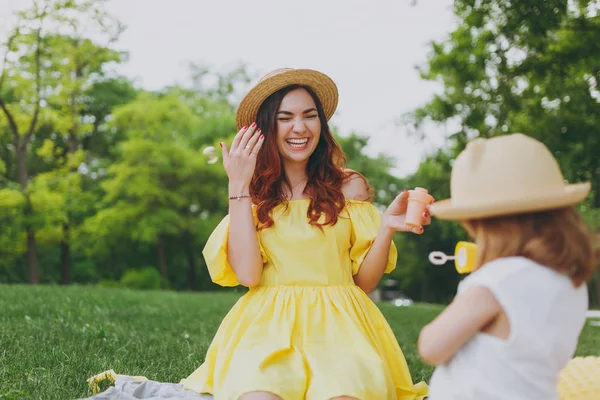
(298, 126)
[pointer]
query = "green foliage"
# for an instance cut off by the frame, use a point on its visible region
(376, 170)
(145, 278)
(108, 178)
(529, 66)
(89, 173)
(12, 238)
(114, 177)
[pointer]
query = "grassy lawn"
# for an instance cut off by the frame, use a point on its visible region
(53, 338)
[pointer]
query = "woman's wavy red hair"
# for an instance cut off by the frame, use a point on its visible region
(325, 169)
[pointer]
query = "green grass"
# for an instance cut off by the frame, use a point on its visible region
(52, 339)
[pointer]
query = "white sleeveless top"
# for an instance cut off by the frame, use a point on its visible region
(546, 314)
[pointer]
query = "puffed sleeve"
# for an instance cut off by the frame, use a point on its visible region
(366, 219)
(215, 254)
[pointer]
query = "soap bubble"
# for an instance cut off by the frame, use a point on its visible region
(210, 155)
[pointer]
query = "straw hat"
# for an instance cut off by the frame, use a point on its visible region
(508, 174)
(321, 84)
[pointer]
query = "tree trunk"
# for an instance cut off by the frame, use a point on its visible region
(72, 142)
(65, 246)
(21, 143)
(596, 243)
(596, 200)
(191, 256)
(21, 155)
(597, 289)
(65, 256)
(162, 259)
(34, 276)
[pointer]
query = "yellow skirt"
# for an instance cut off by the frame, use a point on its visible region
(301, 342)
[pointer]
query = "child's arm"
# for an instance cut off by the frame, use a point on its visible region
(468, 313)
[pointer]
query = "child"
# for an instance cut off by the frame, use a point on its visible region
(515, 321)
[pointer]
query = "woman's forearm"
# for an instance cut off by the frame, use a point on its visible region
(373, 266)
(243, 249)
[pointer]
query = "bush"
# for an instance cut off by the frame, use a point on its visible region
(146, 278)
(110, 284)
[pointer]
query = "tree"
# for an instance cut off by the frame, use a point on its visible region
(159, 185)
(377, 170)
(21, 98)
(47, 65)
(530, 66)
(80, 63)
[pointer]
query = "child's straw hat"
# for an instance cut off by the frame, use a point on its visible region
(503, 175)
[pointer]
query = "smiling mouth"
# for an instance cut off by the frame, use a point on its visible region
(297, 144)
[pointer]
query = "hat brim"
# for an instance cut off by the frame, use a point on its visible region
(323, 86)
(572, 194)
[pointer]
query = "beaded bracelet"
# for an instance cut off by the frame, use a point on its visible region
(239, 197)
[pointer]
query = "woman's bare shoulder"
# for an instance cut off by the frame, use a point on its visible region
(355, 186)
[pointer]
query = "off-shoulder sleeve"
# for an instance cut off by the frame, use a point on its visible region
(366, 219)
(215, 254)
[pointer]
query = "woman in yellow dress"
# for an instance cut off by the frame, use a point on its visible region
(302, 235)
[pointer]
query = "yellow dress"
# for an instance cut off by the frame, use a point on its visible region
(307, 331)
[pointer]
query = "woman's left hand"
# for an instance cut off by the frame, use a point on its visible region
(395, 214)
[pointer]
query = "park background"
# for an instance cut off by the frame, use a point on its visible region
(109, 111)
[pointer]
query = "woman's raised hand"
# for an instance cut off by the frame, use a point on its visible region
(240, 160)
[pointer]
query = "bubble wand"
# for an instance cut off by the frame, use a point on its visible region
(465, 257)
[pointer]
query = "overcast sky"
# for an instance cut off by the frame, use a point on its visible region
(369, 48)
